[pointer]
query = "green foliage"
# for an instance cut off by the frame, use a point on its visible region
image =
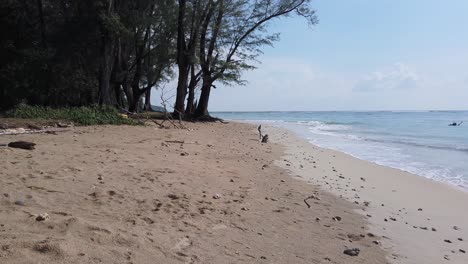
(86, 116)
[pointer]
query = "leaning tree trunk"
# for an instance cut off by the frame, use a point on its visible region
(202, 109)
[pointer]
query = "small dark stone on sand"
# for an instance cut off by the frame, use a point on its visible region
(352, 252)
(447, 241)
(19, 202)
(456, 228)
(462, 251)
(460, 239)
(173, 196)
(420, 209)
(433, 229)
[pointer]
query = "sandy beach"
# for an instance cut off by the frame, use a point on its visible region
(207, 194)
(212, 193)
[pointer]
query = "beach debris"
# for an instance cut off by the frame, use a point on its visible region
(376, 242)
(433, 229)
(22, 145)
(175, 141)
(42, 217)
(448, 241)
(420, 209)
(393, 219)
(173, 196)
(184, 154)
(363, 179)
(216, 196)
(265, 139)
(352, 252)
(182, 244)
(19, 202)
(231, 180)
(311, 197)
(64, 125)
(336, 218)
(460, 239)
(462, 251)
(456, 228)
(446, 257)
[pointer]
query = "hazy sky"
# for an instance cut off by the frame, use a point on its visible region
(363, 55)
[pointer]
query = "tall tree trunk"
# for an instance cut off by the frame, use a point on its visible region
(148, 100)
(202, 108)
(40, 7)
(106, 64)
(182, 84)
(182, 62)
(105, 72)
(194, 78)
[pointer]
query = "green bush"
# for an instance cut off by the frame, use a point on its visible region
(86, 116)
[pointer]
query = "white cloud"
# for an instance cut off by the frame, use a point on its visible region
(396, 77)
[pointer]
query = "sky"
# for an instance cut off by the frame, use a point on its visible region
(362, 55)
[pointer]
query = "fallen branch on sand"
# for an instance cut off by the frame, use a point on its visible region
(175, 141)
(310, 197)
(25, 132)
(22, 145)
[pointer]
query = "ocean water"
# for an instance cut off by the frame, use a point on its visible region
(418, 142)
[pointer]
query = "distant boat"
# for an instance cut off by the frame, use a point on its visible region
(455, 124)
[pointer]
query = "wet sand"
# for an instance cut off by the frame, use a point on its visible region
(420, 220)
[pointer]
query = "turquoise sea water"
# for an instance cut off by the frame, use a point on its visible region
(418, 142)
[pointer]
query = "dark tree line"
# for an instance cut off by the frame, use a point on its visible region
(113, 52)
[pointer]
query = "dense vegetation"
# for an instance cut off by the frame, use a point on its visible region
(73, 53)
(84, 115)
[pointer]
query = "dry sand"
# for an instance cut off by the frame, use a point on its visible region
(421, 221)
(209, 194)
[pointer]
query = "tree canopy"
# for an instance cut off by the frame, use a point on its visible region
(113, 52)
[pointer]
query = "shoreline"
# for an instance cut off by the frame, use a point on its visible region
(392, 203)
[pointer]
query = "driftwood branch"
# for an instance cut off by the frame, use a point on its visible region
(44, 131)
(310, 197)
(167, 116)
